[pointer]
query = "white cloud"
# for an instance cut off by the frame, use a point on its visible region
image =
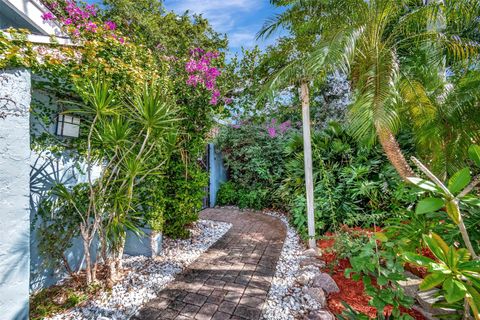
(242, 38)
(212, 6)
(225, 16)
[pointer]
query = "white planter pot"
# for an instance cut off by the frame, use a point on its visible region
(149, 244)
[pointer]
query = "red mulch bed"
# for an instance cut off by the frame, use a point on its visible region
(351, 292)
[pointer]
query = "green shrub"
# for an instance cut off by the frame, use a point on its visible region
(252, 198)
(184, 190)
(354, 184)
(255, 163)
(227, 194)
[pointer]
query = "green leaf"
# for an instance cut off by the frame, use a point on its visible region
(463, 255)
(382, 280)
(474, 153)
(429, 205)
(436, 245)
(473, 266)
(423, 184)
(459, 180)
(473, 298)
(381, 236)
(454, 290)
(453, 211)
(417, 259)
(471, 200)
(432, 280)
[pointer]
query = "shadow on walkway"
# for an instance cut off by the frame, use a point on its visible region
(229, 281)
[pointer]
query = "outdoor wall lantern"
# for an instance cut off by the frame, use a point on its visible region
(68, 126)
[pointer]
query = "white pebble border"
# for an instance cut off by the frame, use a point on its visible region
(286, 300)
(147, 276)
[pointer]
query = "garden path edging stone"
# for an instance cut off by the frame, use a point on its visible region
(293, 294)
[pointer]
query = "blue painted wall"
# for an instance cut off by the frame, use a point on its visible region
(15, 98)
(218, 174)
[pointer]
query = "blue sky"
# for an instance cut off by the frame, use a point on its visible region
(239, 19)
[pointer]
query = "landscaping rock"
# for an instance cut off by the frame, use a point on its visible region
(326, 282)
(303, 279)
(286, 299)
(321, 315)
(310, 261)
(318, 295)
(312, 253)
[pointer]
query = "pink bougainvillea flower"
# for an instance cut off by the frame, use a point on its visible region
(214, 101)
(213, 72)
(210, 85)
(191, 66)
(47, 16)
(91, 9)
(192, 80)
(228, 100)
(121, 40)
(110, 25)
(285, 126)
(91, 26)
(67, 21)
(200, 71)
(52, 5)
(272, 132)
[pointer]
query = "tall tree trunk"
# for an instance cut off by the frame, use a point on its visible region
(307, 154)
(394, 153)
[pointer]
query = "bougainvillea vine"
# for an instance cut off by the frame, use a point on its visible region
(201, 71)
(78, 19)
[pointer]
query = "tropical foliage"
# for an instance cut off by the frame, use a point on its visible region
(399, 77)
(413, 77)
(163, 92)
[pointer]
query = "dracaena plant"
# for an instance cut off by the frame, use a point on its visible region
(453, 270)
(123, 138)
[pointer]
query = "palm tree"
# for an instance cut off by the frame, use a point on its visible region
(372, 41)
(445, 108)
(296, 72)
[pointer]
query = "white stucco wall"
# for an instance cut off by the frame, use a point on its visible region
(15, 87)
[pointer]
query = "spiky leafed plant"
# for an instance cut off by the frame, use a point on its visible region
(123, 135)
(448, 110)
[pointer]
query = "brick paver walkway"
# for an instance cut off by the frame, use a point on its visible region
(229, 281)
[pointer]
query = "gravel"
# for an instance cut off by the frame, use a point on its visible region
(287, 299)
(147, 276)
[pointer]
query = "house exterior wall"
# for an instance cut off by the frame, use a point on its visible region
(15, 88)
